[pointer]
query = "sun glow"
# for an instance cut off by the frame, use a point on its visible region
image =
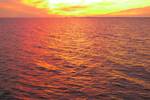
(73, 2)
(85, 7)
(56, 4)
(64, 7)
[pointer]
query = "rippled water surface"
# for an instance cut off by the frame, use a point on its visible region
(75, 59)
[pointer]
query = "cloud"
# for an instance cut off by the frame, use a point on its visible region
(143, 12)
(73, 8)
(13, 8)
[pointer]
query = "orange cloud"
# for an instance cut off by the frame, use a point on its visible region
(17, 9)
(133, 12)
(73, 8)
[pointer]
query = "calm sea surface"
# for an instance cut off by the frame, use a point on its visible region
(75, 59)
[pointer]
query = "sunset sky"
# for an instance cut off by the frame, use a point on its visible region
(77, 8)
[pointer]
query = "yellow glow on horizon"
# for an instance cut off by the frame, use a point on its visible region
(85, 7)
(69, 5)
(73, 2)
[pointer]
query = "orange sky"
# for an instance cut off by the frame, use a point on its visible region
(145, 11)
(55, 8)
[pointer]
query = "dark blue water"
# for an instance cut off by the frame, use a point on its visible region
(75, 59)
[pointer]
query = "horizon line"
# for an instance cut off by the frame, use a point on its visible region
(84, 17)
